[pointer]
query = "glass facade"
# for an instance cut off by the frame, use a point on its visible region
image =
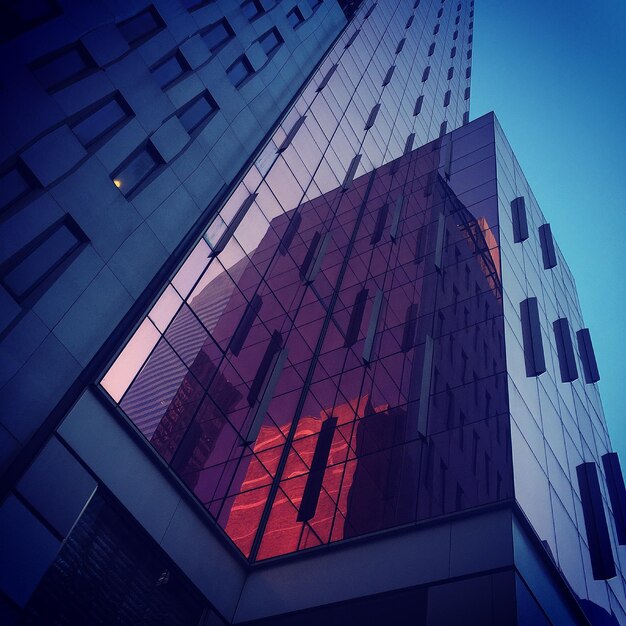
(303, 323)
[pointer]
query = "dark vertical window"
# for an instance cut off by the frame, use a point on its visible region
(43, 259)
(389, 74)
(99, 120)
(290, 233)
(409, 22)
(468, 72)
(531, 332)
(587, 356)
(141, 27)
(291, 134)
(410, 326)
(443, 129)
(565, 350)
(273, 348)
(198, 112)
(436, 29)
(63, 67)
(313, 486)
(450, 73)
(597, 531)
(455, 35)
(170, 69)
(431, 49)
(466, 117)
(547, 246)
(271, 41)
(426, 73)
(446, 98)
(520, 223)
(381, 220)
(408, 146)
(467, 93)
(137, 169)
(234, 223)
(617, 493)
(352, 38)
(245, 324)
(453, 52)
(418, 105)
(439, 13)
(240, 71)
(356, 316)
(469, 54)
(327, 77)
(16, 182)
(372, 116)
(400, 45)
(354, 164)
(295, 18)
(372, 327)
(217, 34)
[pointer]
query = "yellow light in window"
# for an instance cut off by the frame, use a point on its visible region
(117, 182)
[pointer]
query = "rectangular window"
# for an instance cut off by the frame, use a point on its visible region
(217, 34)
(101, 119)
(197, 112)
(240, 71)
(431, 50)
(453, 52)
(42, 259)
(354, 164)
(170, 69)
(409, 22)
(194, 5)
(520, 223)
(436, 29)
(410, 326)
(408, 146)
(290, 233)
(531, 333)
(313, 486)
(372, 327)
(326, 78)
(617, 493)
(390, 72)
(141, 27)
(295, 18)
(439, 13)
(252, 9)
(18, 17)
(455, 35)
(381, 220)
(400, 45)
(587, 356)
(315, 4)
(271, 41)
(273, 348)
(565, 350)
(466, 117)
(467, 93)
(372, 117)
(443, 129)
(446, 98)
(450, 73)
(426, 73)
(547, 246)
(63, 67)
(468, 72)
(16, 182)
(598, 539)
(245, 324)
(137, 169)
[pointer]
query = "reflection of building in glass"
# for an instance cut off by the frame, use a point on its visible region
(287, 306)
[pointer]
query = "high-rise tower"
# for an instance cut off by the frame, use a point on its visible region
(348, 380)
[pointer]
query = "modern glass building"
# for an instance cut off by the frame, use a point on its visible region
(348, 379)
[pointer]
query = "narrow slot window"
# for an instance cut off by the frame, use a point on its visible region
(450, 73)
(370, 11)
(245, 324)
(469, 54)
(520, 223)
(418, 105)
(198, 112)
(587, 356)
(443, 129)
(372, 327)
(170, 69)
(453, 52)
(436, 29)
(240, 71)
(548, 252)
(531, 333)
(381, 220)
(313, 486)
(141, 27)
(352, 38)
(410, 326)
(273, 348)
(291, 134)
(232, 227)
(467, 93)
(389, 75)
(372, 117)
(356, 317)
(98, 122)
(598, 539)
(455, 35)
(271, 41)
(395, 222)
(400, 45)
(42, 259)
(409, 22)
(217, 34)
(617, 493)
(295, 17)
(468, 72)
(466, 118)
(425, 74)
(446, 98)
(63, 67)
(290, 233)
(137, 169)
(354, 164)
(408, 146)
(565, 350)
(16, 183)
(431, 49)
(326, 78)
(439, 13)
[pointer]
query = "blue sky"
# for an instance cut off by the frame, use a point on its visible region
(555, 74)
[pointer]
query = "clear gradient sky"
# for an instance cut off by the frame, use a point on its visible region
(554, 72)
